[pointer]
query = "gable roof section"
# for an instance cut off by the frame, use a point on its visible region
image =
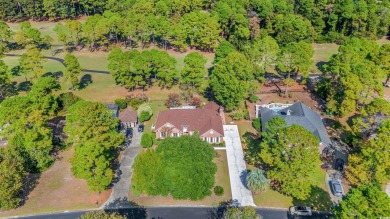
(212, 106)
(200, 120)
(300, 114)
(128, 116)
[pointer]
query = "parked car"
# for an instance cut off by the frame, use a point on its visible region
(300, 210)
(129, 133)
(141, 128)
(339, 165)
(337, 190)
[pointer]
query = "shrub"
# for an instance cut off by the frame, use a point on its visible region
(195, 102)
(145, 107)
(101, 215)
(122, 103)
(257, 181)
(237, 116)
(290, 95)
(173, 100)
(135, 103)
(65, 100)
(146, 140)
(218, 190)
(144, 116)
(246, 114)
(256, 123)
(253, 98)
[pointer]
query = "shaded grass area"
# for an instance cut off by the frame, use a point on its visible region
(221, 179)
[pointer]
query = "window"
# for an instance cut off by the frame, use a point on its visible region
(217, 140)
(211, 140)
(175, 135)
(163, 134)
(205, 139)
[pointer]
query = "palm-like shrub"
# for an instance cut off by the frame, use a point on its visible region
(257, 181)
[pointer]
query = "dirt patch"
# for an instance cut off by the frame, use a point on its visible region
(57, 189)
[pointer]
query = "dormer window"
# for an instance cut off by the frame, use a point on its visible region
(185, 128)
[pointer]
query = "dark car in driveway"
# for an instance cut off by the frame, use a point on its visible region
(141, 128)
(337, 190)
(129, 133)
(339, 165)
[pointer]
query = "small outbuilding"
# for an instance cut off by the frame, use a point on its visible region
(114, 109)
(128, 118)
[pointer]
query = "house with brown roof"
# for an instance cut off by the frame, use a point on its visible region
(207, 121)
(128, 118)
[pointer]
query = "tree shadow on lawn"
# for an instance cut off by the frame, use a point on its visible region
(85, 81)
(24, 86)
(320, 65)
(252, 149)
(126, 208)
(29, 184)
(55, 75)
(318, 200)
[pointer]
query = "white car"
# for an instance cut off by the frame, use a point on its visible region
(300, 210)
(337, 189)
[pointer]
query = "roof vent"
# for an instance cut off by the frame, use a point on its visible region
(289, 112)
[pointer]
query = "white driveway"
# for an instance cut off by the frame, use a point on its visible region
(237, 167)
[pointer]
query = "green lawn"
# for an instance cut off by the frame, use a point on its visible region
(322, 53)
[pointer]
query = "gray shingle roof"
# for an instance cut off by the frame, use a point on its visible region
(300, 114)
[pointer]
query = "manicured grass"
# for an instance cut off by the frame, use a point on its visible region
(322, 53)
(46, 28)
(157, 105)
(221, 179)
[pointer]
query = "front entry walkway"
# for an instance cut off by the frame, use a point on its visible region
(237, 167)
(121, 189)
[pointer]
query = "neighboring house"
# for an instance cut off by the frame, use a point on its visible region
(128, 118)
(297, 113)
(114, 108)
(207, 121)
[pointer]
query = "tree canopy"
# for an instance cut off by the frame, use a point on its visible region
(365, 201)
(93, 133)
(182, 167)
(231, 80)
(291, 153)
(24, 119)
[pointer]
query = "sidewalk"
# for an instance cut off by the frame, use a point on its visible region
(237, 167)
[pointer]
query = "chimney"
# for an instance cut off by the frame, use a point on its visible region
(289, 112)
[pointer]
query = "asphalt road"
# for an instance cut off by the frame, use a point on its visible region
(177, 213)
